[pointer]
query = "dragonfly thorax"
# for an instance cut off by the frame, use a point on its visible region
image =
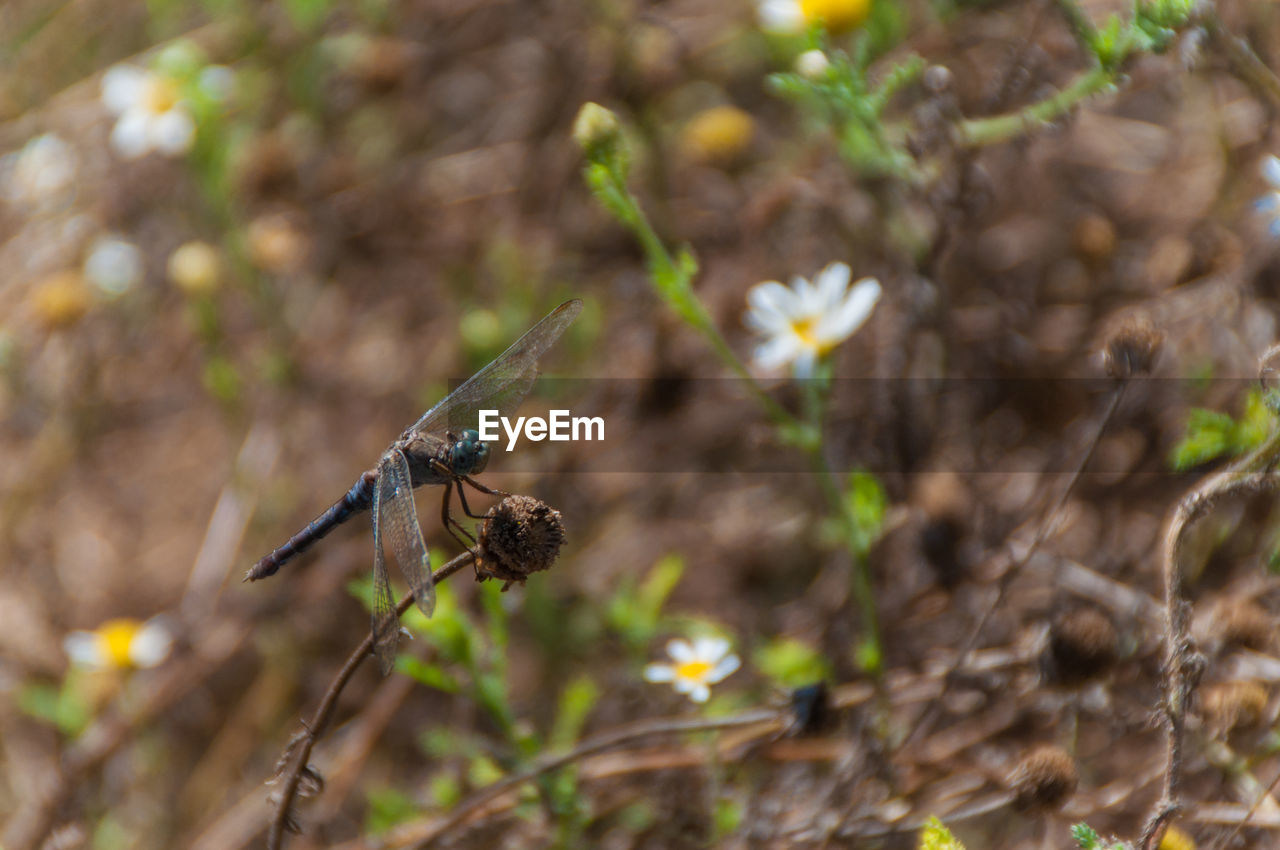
(469, 454)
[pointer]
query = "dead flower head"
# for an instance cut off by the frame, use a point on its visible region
(1044, 779)
(1082, 645)
(1132, 350)
(520, 536)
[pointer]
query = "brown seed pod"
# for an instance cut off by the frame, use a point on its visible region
(1082, 646)
(1044, 779)
(1132, 350)
(520, 536)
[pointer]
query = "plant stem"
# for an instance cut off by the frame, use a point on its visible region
(1001, 128)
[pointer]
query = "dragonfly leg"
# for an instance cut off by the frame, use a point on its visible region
(462, 497)
(451, 524)
(488, 491)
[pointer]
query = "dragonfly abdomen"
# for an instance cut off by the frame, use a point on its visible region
(357, 499)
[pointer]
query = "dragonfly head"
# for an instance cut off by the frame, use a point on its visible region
(468, 455)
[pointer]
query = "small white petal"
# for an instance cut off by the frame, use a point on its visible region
(151, 644)
(855, 310)
(85, 650)
(777, 351)
(173, 132)
(784, 16)
(1271, 170)
(725, 668)
(131, 137)
(659, 673)
(710, 649)
(699, 693)
(680, 651)
(123, 87)
(1268, 203)
(771, 298)
(832, 283)
(805, 293)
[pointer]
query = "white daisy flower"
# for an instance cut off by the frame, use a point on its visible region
(697, 667)
(1269, 204)
(804, 323)
(120, 645)
(114, 265)
(42, 171)
(152, 113)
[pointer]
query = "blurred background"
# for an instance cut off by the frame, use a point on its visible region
(242, 246)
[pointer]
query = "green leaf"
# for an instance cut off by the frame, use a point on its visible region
(727, 817)
(791, 663)
(1211, 434)
(387, 808)
(431, 675)
(866, 504)
(1085, 836)
(576, 702)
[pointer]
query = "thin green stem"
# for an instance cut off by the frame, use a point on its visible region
(1001, 128)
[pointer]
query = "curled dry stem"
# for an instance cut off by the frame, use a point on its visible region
(294, 768)
(1183, 664)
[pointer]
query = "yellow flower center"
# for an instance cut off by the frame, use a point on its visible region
(836, 15)
(806, 329)
(160, 96)
(116, 639)
(696, 670)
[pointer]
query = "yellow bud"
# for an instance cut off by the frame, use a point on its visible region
(718, 135)
(836, 15)
(61, 299)
(194, 268)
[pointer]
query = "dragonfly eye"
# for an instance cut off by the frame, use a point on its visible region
(469, 454)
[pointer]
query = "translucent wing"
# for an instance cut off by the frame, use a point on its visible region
(396, 521)
(504, 383)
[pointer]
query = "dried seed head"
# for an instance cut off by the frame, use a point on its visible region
(940, 545)
(1243, 622)
(1233, 705)
(1044, 779)
(1082, 645)
(520, 536)
(1132, 349)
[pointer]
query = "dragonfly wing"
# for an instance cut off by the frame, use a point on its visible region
(386, 625)
(399, 519)
(504, 383)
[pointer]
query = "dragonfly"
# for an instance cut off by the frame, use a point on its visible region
(442, 447)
